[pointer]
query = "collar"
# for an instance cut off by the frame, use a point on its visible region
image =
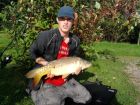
(61, 37)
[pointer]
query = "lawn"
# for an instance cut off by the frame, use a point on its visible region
(119, 49)
(13, 81)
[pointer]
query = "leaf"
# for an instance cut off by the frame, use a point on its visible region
(97, 5)
(55, 26)
(126, 23)
(74, 2)
(49, 8)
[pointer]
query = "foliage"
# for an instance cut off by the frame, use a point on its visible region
(112, 20)
(91, 53)
(3, 3)
(88, 29)
(104, 20)
(25, 19)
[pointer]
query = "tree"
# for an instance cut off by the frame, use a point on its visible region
(24, 19)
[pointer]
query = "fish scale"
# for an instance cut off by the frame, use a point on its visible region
(63, 66)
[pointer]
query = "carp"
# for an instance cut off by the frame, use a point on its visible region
(63, 66)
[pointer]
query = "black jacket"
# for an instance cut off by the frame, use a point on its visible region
(48, 42)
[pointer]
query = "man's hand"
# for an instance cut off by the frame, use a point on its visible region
(44, 63)
(65, 76)
(41, 61)
(49, 76)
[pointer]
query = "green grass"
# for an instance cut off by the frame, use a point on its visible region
(13, 81)
(119, 49)
(111, 73)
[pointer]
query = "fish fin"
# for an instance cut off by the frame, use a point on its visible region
(31, 73)
(65, 76)
(37, 79)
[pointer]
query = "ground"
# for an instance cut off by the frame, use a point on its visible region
(133, 70)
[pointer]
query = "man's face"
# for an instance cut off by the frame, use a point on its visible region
(65, 24)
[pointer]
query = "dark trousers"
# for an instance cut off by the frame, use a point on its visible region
(55, 95)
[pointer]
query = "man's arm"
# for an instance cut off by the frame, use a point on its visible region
(77, 49)
(38, 47)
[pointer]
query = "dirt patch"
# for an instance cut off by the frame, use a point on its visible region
(133, 70)
(134, 73)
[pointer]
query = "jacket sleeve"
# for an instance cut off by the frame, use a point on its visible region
(38, 46)
(77, 49)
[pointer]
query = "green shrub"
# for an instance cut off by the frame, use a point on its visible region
(98, 20)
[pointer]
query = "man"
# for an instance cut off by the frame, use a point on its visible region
(55, 44)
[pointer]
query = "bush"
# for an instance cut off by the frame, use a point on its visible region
(98, 20)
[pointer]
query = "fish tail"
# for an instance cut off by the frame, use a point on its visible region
(36, 79)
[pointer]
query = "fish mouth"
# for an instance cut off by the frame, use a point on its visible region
(89, 65)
